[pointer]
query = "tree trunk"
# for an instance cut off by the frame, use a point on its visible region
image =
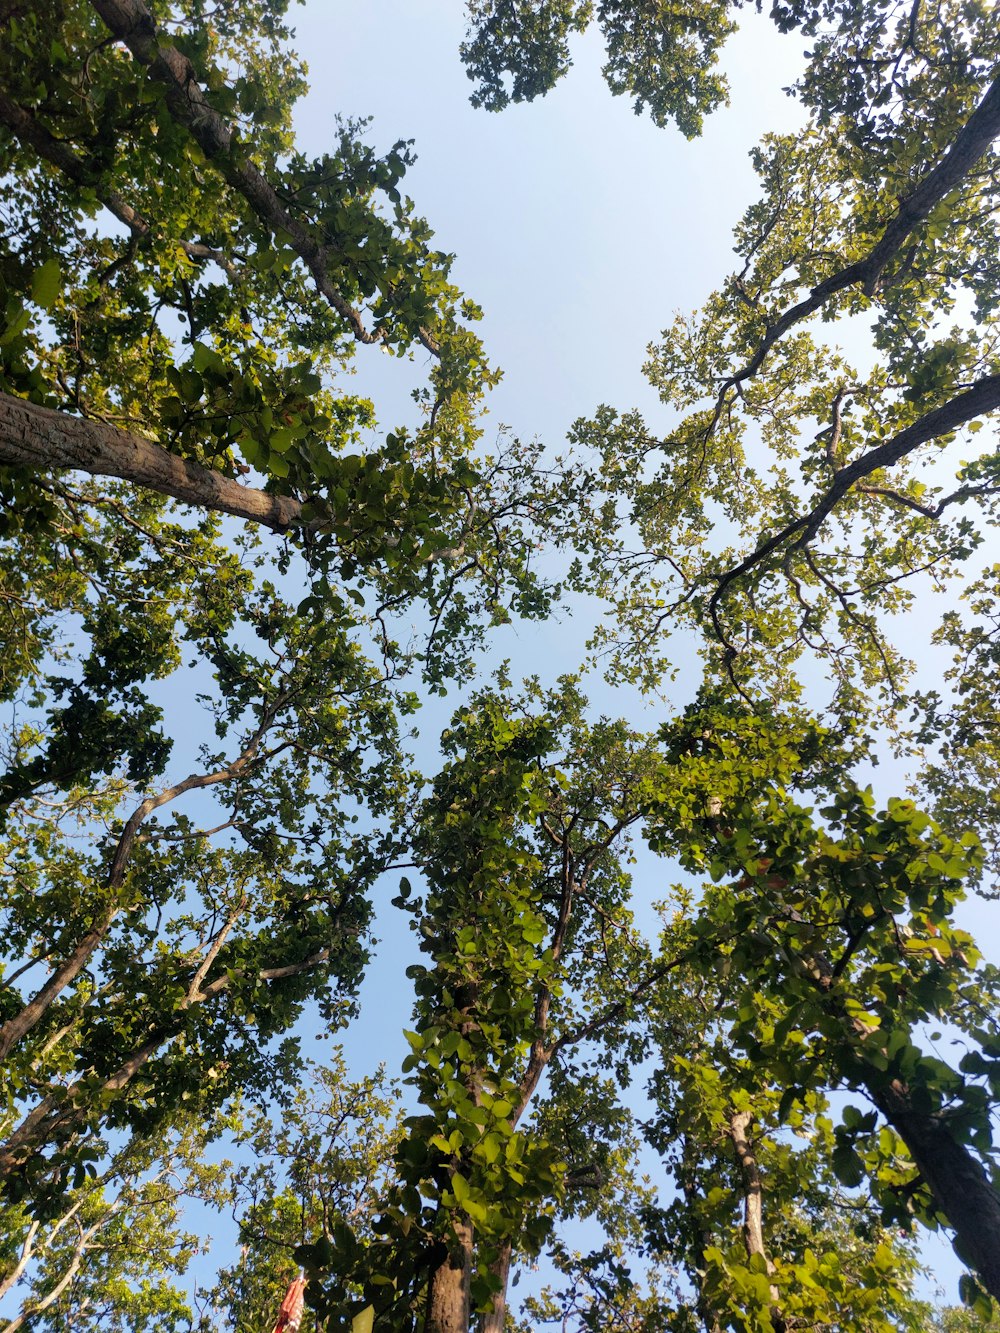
(956, 1178)
(960, 1186)
(448, 1303)
(494, 1321)
(753, 1203)
(43, 439)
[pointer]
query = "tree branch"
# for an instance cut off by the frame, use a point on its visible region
(132, 23)
(983, 397)
(87, 175)
(42, 438)
(67, 1111)
(975, 137)
(16, 1028)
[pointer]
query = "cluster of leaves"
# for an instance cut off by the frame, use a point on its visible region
(155, 965)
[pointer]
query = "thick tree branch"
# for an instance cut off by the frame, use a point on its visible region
(974, 139)
(43, 439)
(957, 1181)
(132, 23)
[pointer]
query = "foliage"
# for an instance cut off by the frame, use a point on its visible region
(318, 1171)
(715, 912)
(114, 1255)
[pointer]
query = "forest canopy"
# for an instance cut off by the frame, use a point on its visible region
(697, 1035)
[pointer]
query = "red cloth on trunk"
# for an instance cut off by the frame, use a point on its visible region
(290, 1314)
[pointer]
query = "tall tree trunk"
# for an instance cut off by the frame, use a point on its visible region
(701, 1238)
(753, 1203)
(958, 1183)
(960, 1186)
(494, 1321)
(448, 1302)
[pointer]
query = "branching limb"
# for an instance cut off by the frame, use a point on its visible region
(87, 175)
(981, 398)
(132, 23)
(16, 1028)
(974, 139)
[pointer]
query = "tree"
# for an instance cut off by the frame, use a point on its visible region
(156, 954)
(141, 341)
(825, 944)
(319, 1174)
(810, 463)
(111, 1256)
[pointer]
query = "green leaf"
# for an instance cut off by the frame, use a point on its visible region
(45, 284)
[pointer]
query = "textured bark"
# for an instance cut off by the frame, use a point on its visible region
(43, 439)
(448, 1303)
(133, 24)
(495, 1320)
(753, 1203)
(958, 1182)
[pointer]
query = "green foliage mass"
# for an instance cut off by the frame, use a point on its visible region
(694, 1021)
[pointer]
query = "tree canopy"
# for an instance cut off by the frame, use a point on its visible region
(696, 1034)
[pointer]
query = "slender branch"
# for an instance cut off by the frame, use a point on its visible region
(86, 174)
(27, 1246)
(79, 1249)
(58, 1115)
(16, 1028)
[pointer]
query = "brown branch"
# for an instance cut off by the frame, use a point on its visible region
(16, 1028)
(42, 438)
(982, 397)
(87, 175)
(63, 1113)
(132, 23)
(973, 140)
